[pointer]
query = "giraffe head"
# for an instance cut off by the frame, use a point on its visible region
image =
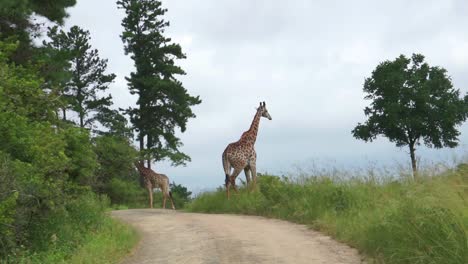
(139, 164)
(264, 111)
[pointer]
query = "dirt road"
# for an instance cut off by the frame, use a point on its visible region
(175, 237)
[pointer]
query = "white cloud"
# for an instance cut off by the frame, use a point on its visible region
(306, 59)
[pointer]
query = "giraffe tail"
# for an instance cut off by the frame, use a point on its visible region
(170, 194)
(226, 167)
(226, 180)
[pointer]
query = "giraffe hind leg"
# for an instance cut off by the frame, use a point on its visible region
(233, 177)
(226, 183)
(150, 194)
(226, 180)
(172, 200)
(231, 180)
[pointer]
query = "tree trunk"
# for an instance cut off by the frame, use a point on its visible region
(142, 148)
(413, 161)
(81, 121)
(64, 111)
(148, 146)
(142, 142)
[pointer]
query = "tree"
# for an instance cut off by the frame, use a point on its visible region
(87, 69)
(412, 102)
(181, 194)
(16, 21)
(115, 122)
(20, 88)
(115, 156)
(163, 103)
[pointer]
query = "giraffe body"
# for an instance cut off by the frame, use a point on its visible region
(153, 180)
(241, 155)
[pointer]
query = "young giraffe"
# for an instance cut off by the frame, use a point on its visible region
(154, 180)
(241, 155)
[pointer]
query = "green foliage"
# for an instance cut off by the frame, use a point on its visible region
(48, 168)
(82, 233)
(163, 103)
(412, 102)
(391, 222)
(88, 79)
(110, 244)
(8, 200)
(16, 22)
(180, 194)
(46, 171)
(115, 156)
(128, 193)
(116, 124)
(83, 163)
(21, 88)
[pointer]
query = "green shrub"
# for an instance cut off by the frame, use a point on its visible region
(115, 156)
(77, 233)
(127, 193)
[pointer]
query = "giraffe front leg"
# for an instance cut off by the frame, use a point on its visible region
(150, 194)
(233, 183)
(164, 201)
(247, 175)
(253, 170)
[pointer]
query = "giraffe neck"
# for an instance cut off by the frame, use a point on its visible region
(140, 167)
(250, 135)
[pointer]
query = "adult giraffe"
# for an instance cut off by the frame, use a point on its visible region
(241, 155)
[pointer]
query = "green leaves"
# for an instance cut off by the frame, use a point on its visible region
(87, 73)
(163, 103)
(16, 22)
(115, 156)
(412, 103)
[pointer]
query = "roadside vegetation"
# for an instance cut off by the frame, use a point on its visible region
(66, 152)
(391, 221)
(417, 219)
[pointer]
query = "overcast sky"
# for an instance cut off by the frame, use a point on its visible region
(306, 59)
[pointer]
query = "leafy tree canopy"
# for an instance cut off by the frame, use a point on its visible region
(412, 103)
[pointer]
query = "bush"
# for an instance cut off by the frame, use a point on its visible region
(115, 156)
(127, 193)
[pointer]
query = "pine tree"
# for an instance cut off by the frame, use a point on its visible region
(16, 21)
(163, 103)
(115, 123)
(87, 70)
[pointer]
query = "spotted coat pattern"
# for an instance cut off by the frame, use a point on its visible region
(155, 180)
(241, 155)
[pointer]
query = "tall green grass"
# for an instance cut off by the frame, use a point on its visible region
(393, 221)
(109, 245)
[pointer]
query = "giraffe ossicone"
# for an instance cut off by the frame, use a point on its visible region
(241, 155)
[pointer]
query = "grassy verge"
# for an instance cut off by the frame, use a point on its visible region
(392, 221)
(109, 245)
(80, 232)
